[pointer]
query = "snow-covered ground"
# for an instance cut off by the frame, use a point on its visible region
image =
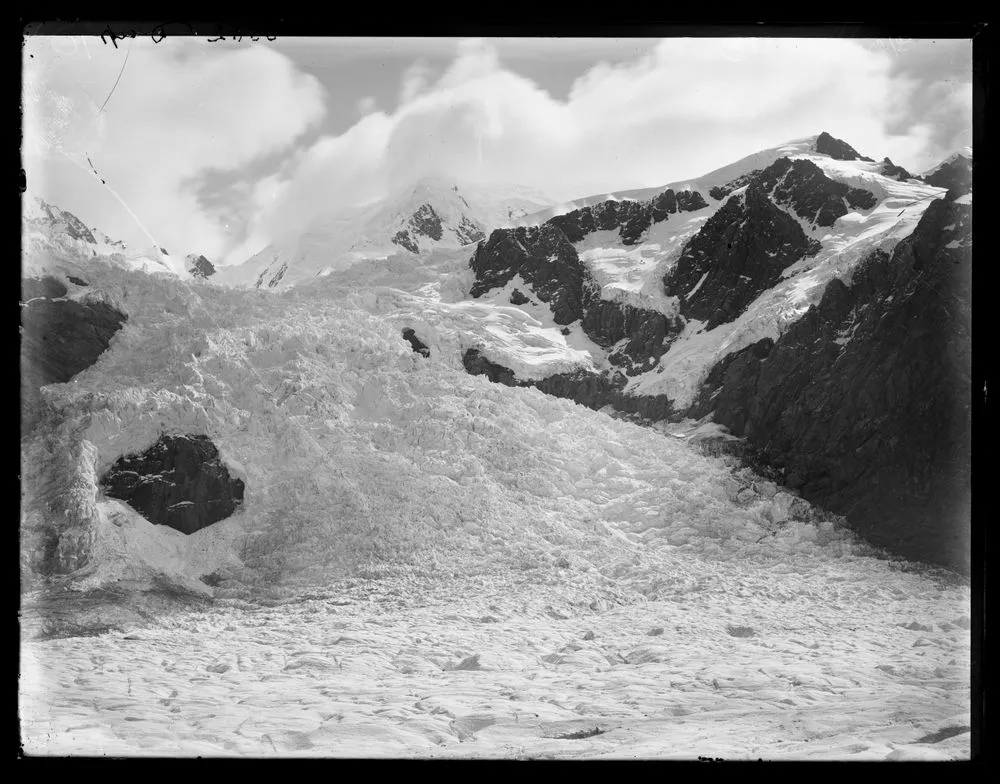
(455, 568)
(821, 659)
(338, 240)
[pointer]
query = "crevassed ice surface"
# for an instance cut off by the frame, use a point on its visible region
(456, 568)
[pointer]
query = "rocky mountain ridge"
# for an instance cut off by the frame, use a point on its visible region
(772, 220)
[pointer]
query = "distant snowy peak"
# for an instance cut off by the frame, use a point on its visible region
(953, 173)
(52, 235)
(432, 213)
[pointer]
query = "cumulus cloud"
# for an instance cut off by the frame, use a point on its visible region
(675, 111)
(414, 81)
(687, 106)
(181, 110)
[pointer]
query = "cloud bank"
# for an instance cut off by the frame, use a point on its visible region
(682, 109)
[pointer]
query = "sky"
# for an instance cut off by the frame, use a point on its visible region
(221, 147)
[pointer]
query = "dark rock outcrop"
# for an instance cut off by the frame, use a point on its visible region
(814, 197)
(280, 274)
(59, 338)
(719, 192)
(690, 201)
(889, 169)
(739, 253)
(864, 403)
(425, 221)
(837, 149)
(631, 219)
(517, 298)
(543, 257)
(468, 231)
(955, 175)
(72, 225)
(200, 267)
(404, 240)
(77, 281)
(179, 481)
(593, 390)
(648, 333)
(478, 365)
(418, 345)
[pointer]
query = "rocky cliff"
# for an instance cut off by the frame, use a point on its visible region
(179, 481)
(864, 402)
(60, 337)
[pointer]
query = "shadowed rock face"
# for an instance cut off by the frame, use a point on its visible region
(814, 197)
(889, 169)
(593, 390)
(179, 481)
(864, 402)
(837, 148)
(648, 333)
(955, 175)
(630, 218)
(739, 253)
(543, 257)
(425, 222)
(59, 338)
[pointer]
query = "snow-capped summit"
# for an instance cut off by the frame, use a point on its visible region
(52, 235)
(431, 213)
(953, 173)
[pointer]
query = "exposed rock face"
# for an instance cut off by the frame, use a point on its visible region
(814, 197)
(404, 240)
(59, 338)
(648, 333)
(77, 281)
(468, 231)
(543, 257)
(478, 365)
(719, 192)
(179, 482)
(630, 218)
(418, 345)
(425, 221)
(955, 175)
(889, 169)
(199, 266)
(593, 390)
(71, 224)
(739, 253)
(837, 148)
(864, 402)
(517, 298)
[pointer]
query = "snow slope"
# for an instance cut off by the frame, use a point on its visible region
(49, 233)
(634, 274)
(337, 240)
(457, 568)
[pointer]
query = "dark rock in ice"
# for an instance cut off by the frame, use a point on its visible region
(418, 346)
(180, 481)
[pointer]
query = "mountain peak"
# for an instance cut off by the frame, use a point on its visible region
(837, 149)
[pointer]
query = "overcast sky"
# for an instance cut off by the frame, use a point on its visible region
(218, 147)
